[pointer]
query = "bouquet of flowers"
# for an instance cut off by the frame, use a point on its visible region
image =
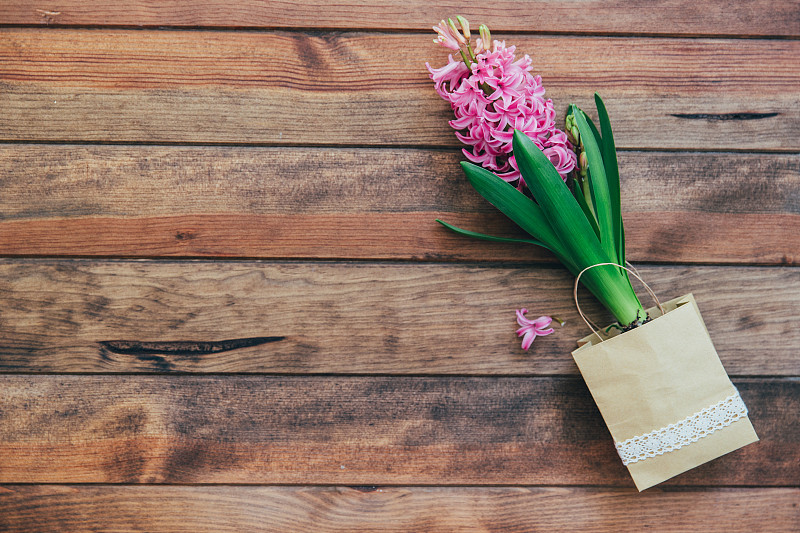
(655, 374)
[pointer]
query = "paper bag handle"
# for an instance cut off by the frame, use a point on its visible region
(630, 270)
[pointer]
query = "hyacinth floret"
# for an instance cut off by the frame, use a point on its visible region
(491, 97)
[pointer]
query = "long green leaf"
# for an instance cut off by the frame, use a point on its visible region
(512, 203)
(592, 127)
(569, 222)
(557, 203)
(524, 212)
(564, 260)
(573, 109)
(493, 238)
(622, 260)
(612, 175)
(599, 187)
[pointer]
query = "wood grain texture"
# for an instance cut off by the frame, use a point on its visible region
(73, 181)
(265, 87)
(718, 17)
(391, 236)
(349, 430)
(298, 202)
(398, 388)
(224, 509)
(353, 318)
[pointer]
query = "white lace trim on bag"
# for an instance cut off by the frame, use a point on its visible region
(690, 429)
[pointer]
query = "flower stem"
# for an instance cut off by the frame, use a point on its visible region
(471, 53)
(584, 185)
(467, 62)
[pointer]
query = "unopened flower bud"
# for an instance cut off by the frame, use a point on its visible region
(583, 162)
(573, 131)
(486, 37)
(464, 25)
(456, 33)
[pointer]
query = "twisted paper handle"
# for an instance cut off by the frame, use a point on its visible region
(631, 270)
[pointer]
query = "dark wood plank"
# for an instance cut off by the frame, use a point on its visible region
(295, 88)
(352, 318)
(221, 509)
(349, 430)
(298, 202)
(717, 17)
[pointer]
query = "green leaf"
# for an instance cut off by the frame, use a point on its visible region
(598, 187)
(622, 260)
(557, 203)
(567, 219)
(592, 127)
(573, 109)
(586, 211)
(512, 203)
(492, 238)
(523, 211)
(612, 175)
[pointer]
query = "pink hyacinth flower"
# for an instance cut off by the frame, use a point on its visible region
(446, 78)
(532, 328)
(447, 37)
(494, 96)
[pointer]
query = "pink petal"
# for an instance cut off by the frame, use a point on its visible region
(527, 340)
(542, 322)
(522, 320)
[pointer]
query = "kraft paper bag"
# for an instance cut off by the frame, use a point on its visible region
(664, 394)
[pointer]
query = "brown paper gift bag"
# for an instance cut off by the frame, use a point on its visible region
(664, 394)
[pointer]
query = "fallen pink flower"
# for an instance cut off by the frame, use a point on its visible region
(532, 328)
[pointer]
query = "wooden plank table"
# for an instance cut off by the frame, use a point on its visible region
(225, 306)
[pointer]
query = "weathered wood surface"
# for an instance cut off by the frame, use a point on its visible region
(228, 509)
(367, 204)
(73, 181)
(60, 315)
(349, 430)
(372, 89)
(717, 17)
(711, 237)
(320, 137)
